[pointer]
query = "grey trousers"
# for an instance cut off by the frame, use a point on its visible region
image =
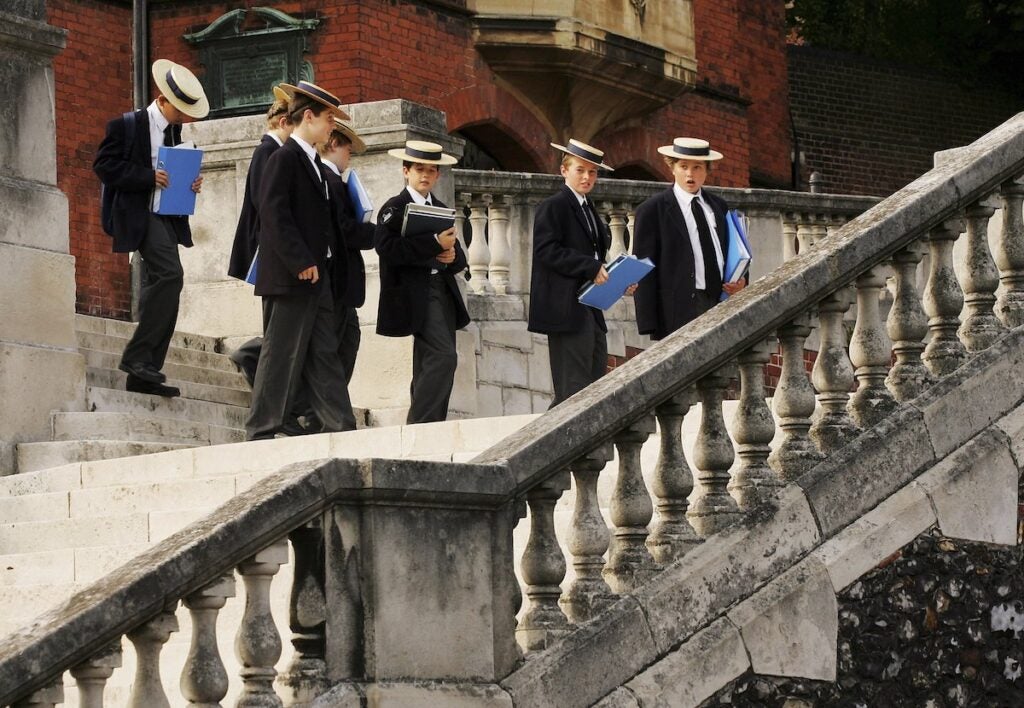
(158, 299)
(434, 358)
(299, 347)
(577, 359)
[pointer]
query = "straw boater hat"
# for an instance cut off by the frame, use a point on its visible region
(690, 149)
(181, 87)
(349, 132)
(280, 94)
(584, 152)
(317, 94)
(422, 152)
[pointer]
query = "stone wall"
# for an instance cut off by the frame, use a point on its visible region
(869, 127)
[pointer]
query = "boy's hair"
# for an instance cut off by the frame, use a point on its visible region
(298, 105)
(277, 109)
(567, 158)
(337, 138)
(409, 164)
(671, 162)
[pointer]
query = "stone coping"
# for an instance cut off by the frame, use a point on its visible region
(632, 390)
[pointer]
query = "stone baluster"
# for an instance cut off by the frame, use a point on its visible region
(753, 429)
(870, 352)
(1009, 255)
(46, 697)
(630, 224)
(789, 239)
(501, 250)
(794, 405)
(943, 301)
(713, 508)
(630, 564)
(617, 225)
(461, 202)
(588, 540)
(479, 255)
(819, 228)
(306, 677)
(672, 536)
(204, 681)
(543, 568)
(258, 644)
(91, 676)
(907, 327)
(805, 233)
(148, 640)
(832, 376)
(979, 280)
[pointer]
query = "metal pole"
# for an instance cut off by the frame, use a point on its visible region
(140, 53)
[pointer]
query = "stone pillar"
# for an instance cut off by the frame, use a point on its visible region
(38, 351)
(216, 305)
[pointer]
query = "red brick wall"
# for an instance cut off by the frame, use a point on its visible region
(368, 50)
(870, 127)
(93, 84)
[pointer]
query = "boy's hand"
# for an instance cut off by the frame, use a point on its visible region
(162, 179)
(446, 256)
(311, 274)
(733, 288)
(631, 289)
(447, 239)
(602, 277)
(197, 186)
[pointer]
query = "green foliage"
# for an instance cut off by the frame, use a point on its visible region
(969, 37)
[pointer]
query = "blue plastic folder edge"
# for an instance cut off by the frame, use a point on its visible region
(739, 254)
(360, 199)
(182, 165)
(622, 272)
(250, 277)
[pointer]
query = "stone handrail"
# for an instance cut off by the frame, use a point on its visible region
(387, 526)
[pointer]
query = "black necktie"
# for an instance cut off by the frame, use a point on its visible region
(588, 212)
(172, 135)
(712, 275)
(321, 171)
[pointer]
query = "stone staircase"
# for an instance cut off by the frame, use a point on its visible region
(212, 407)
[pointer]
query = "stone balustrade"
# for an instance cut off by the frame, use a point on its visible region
(404, 570)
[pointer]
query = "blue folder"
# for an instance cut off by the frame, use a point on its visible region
(250, 277)
(360, 199)
(738, 255)
(182, 165)
(622, 272)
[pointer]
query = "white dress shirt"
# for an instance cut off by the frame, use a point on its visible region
(311, 154)
(685, 198)
(157, 125)
(421, 200)
(583, 205)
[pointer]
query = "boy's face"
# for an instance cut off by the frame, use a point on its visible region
(172, 114)
(690, 175)
(339, 153)
(318, 127)
(421, 177)
(580, 175)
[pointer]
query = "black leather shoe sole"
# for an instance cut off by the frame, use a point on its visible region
(154, 389)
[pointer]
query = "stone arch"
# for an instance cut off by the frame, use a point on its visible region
(500, 126)
(634, 154)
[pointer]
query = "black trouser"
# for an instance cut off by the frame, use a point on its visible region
(158, 300)
(434, 358)
(578, 359)
(349, 337)
(299, 347)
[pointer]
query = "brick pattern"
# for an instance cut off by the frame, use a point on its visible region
(870, 127)
(368, 50)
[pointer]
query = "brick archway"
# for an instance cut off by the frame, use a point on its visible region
(502, 126)
(635, 151)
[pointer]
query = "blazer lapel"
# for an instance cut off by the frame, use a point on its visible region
(318, 182)
(574, 206)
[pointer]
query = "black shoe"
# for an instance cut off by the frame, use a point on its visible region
(137, 385)
(249, 372)
(291, 427)
(142, 370)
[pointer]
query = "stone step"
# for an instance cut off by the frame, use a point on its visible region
(44, 455)
(120, 328)
(115, 379)
(178, 372)
(129, 426)
(201, 358)
(39, 536)
(109, 400)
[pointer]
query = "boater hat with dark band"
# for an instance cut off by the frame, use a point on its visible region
(181, 87)
(584, 152)
(690, 149)
(349, 132)
(317, 94)
(280, 94)
(422, 152)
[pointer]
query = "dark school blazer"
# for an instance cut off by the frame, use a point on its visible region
(563, 261)
(297, 225)
(665, 298)
(405, 264)
(356, 237)
(133, 179)
(247, 233)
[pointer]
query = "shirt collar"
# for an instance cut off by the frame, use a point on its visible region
(306, 147)
(685, 197)
(276, 140)
(417, 197)
(332, 167)
(156, 118)
(579, 197)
